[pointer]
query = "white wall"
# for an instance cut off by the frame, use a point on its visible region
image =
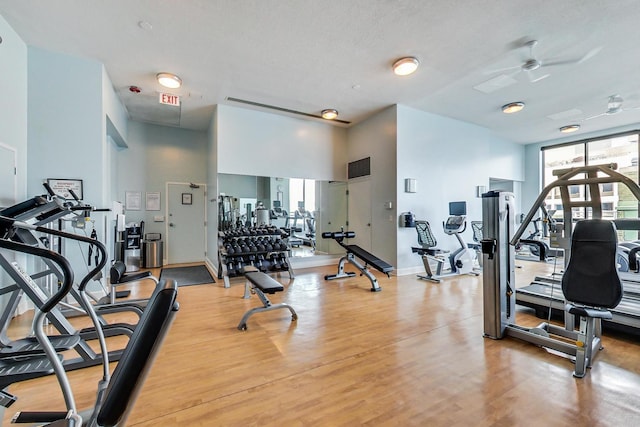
(376, 138)
(448, 158)
(256, 143)
(212, 188)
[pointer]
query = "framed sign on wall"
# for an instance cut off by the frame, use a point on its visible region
(61, 187)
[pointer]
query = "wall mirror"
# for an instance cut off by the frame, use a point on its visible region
(303, 207)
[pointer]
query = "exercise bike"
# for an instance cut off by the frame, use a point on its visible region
(463, 259)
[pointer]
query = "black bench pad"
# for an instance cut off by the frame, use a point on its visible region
(262, 281)
(369, 258)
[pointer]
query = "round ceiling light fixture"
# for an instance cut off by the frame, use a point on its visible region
(512, 107)
(569, 128)
(169, 80)
(405, 66)
(330, 114)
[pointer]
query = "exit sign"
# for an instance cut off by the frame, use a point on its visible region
(168, 99)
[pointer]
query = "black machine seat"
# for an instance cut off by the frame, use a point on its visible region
(370, 259)
(134, 365)
(591, 277)
(131, 370)
(591, 284)
(261, 280)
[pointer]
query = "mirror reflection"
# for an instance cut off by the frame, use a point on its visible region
(302, 208)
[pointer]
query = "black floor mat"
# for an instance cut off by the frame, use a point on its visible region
(186, 276)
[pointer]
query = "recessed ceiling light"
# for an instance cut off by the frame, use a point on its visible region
(405, 66)
(330, 114)
(169, 80)
(569, 128)
(512, 107)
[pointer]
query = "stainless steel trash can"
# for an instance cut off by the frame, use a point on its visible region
(152, 253)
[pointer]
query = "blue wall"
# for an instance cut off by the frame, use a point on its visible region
(13, 102)
(65, 122)
(157, 155)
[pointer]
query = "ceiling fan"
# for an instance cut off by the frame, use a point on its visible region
(532, 63)
(614, 106)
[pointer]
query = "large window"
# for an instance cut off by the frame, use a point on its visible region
(302, 195)
(617, 201)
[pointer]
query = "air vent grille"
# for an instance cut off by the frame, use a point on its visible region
(359, 168)
(282, 109)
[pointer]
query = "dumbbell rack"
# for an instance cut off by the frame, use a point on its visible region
(261, 247)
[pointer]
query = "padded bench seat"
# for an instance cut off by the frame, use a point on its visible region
(261, 283)
(370, 259)
(261, 280)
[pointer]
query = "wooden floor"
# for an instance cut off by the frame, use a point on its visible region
(411, 355)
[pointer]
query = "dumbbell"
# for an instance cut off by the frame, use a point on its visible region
(283, 262)
(260, 263)
(231, 269)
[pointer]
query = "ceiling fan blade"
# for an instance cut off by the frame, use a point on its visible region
(583, 58)
(594, 117)
(515, 68)
(590, 54)
(533, 79)
(560, 62)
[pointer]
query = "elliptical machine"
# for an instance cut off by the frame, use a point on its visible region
(463, 259)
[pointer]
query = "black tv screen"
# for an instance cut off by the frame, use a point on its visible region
(457, 208)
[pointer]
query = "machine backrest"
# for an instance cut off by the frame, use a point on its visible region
(138, 356)
(116, 272)
(426, 239)
(591, 277)
(476, 227)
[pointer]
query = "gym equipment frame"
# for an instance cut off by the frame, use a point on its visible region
(499, 293)
(354, 251)
(544, 293)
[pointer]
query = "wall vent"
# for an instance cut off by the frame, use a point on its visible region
(359, 168)
(282, 109)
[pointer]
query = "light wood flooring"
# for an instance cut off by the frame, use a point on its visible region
(411, 355)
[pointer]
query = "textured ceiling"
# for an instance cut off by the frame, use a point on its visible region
(306, 55)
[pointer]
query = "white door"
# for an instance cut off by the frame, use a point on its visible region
(360, 212)
(186, 228)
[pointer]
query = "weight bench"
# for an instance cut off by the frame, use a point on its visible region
(354, 251)
(260, 283)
